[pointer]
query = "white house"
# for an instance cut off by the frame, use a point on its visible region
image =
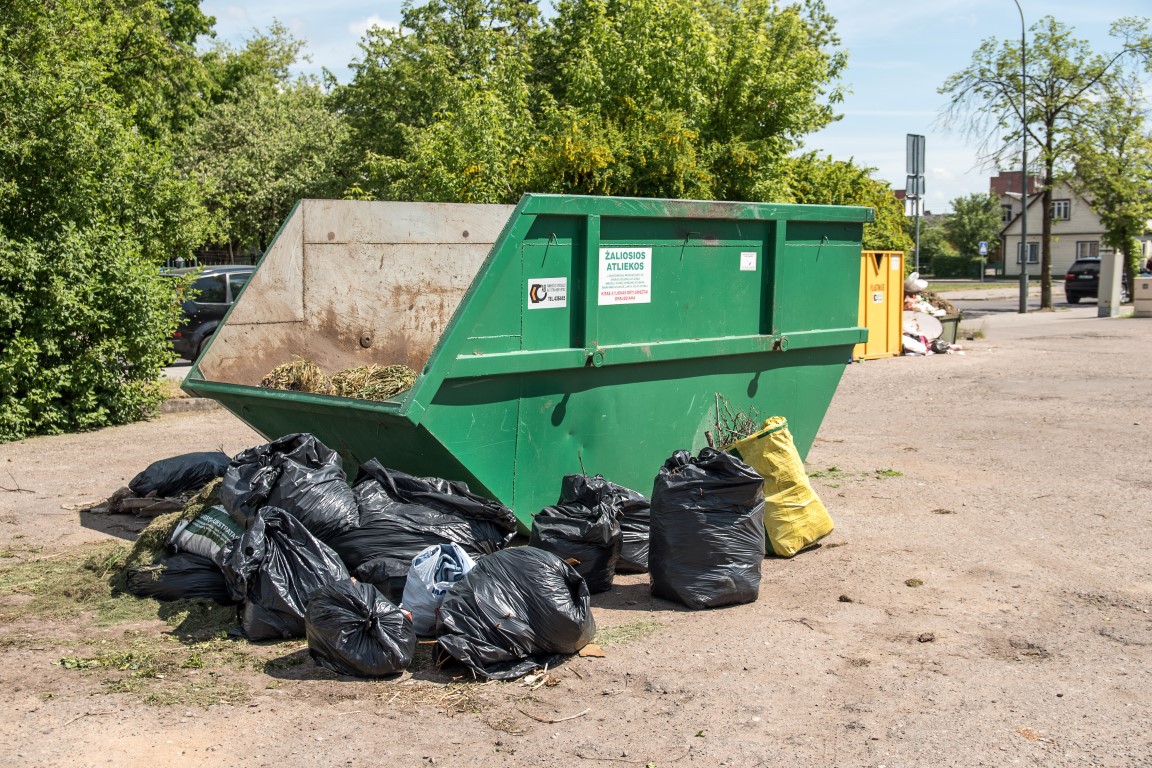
(1076, 229)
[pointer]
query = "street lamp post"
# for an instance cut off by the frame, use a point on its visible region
(1023, 165)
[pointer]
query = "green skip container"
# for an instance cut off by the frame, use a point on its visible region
(560, 335)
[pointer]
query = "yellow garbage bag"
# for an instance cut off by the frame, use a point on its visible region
(794, 516)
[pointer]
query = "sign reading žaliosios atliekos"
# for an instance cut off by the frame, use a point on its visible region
(625, 276)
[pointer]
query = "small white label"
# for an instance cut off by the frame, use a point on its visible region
(548, 293)
(895, 263)
(878, 297)
(625, 276)
(748, 261)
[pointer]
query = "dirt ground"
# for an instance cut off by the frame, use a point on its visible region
(984, 601)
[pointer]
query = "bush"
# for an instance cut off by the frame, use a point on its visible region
(944, 265)
(90, 205)
(84, 326)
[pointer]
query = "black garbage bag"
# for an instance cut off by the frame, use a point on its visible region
(635, 514)
(179, 474)
(296, 473)
(387, 574)
(180, 576)
(354, 630)
(274, 568)
(632, 510)
(517, 610)
(401, 515)
(707, 536)
(583, 527)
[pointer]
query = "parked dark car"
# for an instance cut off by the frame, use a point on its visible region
(214, 290)
(1083, 282)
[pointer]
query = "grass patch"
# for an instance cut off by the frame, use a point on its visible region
(82, 582)
(200, 693)
(971, 334)
(68, 584)
(835, 473)
(627, 633)
(161, 670)
(170, 389)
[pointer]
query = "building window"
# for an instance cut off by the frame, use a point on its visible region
(1005, 214)
(1088, 249)
(1061, 210)
(1033, 253)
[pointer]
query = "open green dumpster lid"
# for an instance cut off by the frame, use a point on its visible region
(561, 335)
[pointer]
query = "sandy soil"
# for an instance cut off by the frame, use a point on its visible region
(1014, 483)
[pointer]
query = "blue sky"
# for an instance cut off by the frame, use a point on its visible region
(899, 54)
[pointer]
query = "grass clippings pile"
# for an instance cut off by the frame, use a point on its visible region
(300, 375)
(372, 382)
(363, 382)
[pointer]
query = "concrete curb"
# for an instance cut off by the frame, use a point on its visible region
(188, 404)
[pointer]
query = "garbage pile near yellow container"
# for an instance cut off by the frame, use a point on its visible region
(929, 321)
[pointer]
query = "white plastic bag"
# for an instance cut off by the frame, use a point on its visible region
(432, 574)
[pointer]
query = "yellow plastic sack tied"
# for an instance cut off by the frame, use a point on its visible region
(794, 516)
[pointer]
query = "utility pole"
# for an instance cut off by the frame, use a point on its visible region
(1023, 164)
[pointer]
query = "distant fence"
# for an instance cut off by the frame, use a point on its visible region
(214, 257)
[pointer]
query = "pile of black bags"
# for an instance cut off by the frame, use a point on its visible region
(402, 515)
(316, 557)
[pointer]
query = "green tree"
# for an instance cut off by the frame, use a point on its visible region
(151, 61)
(268, 141)
(817, 180)
(975, 218)
(1114, 169)
(481, 101)
(697, 99)
(938, 255)
(1064, 79)
(441, 105)
(90, 205)
(264, 62)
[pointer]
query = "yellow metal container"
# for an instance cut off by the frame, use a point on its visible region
(881, 303)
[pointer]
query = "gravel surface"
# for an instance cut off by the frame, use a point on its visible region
(984, 601)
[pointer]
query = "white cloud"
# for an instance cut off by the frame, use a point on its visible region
(360, 27)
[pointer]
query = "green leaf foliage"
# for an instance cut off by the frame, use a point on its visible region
(819, 180)
(1114, 168)
(90, 205)
(481, 101)
(975, 218)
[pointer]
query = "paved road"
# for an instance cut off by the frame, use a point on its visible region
(1006, 300)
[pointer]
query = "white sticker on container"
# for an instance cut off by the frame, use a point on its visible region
(895, 264)
(878, 297)
(548, 293)
(748, 261)
(625, 276)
